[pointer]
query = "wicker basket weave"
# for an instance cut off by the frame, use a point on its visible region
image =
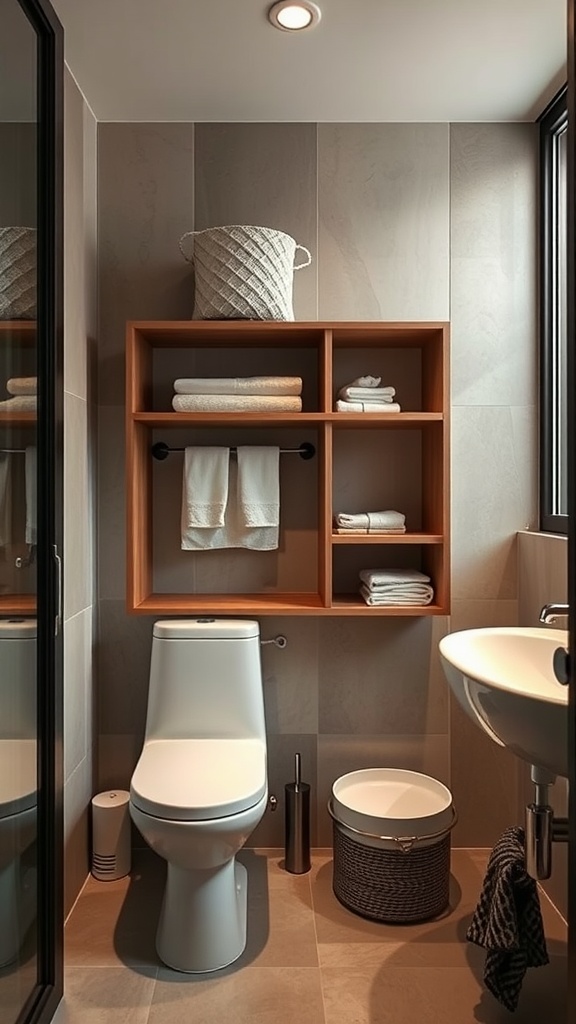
(17, 273)
(242, 272)
(388, 885)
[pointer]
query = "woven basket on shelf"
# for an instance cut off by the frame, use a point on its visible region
(242, 272)
(17, 273)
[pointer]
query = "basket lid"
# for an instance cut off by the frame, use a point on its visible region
(392, 802)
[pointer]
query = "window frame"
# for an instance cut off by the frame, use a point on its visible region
(552, 123)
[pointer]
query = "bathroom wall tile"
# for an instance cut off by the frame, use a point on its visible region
(124, 646)
(474, 614)
(542, 574)
(493, 455)
(493, 191)
(75, 243)
(383, 200)
(381, 675)
(97, 996)
(77, 794)
(290, 675)
(117, 757)
(77, 688)
(145, 202)
(111, 503)
(338, 755)
(271, 995)
(18, 203)
(281, 750)
(258, 173)
(77, 508)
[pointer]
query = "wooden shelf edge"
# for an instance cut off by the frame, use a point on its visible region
(17, 604)
(363, 419)
(400, 538)
(262, 605)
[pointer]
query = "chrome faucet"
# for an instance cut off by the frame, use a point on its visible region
(550, 612)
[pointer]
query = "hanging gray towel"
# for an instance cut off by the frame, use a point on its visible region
(507, 922)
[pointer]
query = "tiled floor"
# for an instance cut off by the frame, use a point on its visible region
(308, 959)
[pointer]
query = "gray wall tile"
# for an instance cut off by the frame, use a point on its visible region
(263, 174)
(383, 209)
(78, 510)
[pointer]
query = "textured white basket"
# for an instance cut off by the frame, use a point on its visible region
(243, 272)
(17, 273)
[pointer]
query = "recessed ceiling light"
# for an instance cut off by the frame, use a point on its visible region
(293, 17)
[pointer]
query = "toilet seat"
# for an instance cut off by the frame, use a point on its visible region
(195, 780)
(18, 776)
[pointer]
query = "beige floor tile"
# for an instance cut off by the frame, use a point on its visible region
(256, 995)
(106, 995)
(114, 923)
(427, 995)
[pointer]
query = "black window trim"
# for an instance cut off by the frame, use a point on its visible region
(552, 120)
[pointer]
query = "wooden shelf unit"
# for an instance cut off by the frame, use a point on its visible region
(413, 357)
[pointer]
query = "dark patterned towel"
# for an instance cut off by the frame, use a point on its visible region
(507, 922)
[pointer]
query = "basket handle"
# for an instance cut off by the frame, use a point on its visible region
(300, 266)
(188, 234)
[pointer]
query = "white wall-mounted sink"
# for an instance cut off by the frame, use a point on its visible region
(503, 678)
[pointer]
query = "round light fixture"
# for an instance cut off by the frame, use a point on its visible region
(293, 17)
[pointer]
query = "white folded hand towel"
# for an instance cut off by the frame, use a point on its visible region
(238, 386)
(342, 405)
(365, 382)
(205, 486)
(5, 499)
(31, 489)
(387, 520)
(237, 403)
(259, 485)
(376, 579)
(22, 386)
(352, 394)
(410, 594)
(20, 403)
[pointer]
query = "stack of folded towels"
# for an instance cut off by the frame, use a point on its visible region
(365, 395)
(370, 522)
(23, 391)
(237, 394)
(395, 586)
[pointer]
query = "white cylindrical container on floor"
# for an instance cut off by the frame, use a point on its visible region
(111, 853)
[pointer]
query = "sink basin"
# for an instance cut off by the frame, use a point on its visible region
(504, 680)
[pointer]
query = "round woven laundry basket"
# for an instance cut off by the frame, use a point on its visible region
(18, 273)
(391, 833)
(242, 272)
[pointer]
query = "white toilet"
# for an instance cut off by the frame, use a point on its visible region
(18, 781)
(200, 786)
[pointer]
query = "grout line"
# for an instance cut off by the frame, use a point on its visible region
(73, 907)
(542, 892)
(316, 938)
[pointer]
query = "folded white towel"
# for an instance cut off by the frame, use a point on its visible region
(20, 403)
(343, 530)
(205, 486)
(22, 386)
(233, 534)
(5, 499)
(354, 394)
(365, 382)
(31, 488)
(237, 386)
(410, 594)
(376, 579)
(236, 403)
(259, 485)
(344, 406)
(387, 520)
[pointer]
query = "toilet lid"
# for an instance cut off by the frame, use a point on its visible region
(195, 780)
(18, 776)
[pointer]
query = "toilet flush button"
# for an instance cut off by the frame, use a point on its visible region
(205, 620)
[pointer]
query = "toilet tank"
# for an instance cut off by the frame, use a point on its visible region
(18, 679)
(205, 680)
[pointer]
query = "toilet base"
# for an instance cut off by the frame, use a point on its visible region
(202, 923)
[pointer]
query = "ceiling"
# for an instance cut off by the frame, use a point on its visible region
(368, 60)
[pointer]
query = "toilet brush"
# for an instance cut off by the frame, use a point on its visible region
(297, 823)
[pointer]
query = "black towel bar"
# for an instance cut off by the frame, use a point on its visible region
(161, 450)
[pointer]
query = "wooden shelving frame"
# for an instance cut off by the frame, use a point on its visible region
(329, 341)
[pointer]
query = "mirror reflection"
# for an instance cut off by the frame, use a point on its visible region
(18, 389)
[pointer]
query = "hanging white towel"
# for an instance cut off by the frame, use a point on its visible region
(237, 386)
(233, 534)
(31, 490)
(5, 499)
(259, 485)
(205, 486)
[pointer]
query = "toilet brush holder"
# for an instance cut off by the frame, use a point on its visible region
(297, 823)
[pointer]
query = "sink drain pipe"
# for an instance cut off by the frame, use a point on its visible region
(542, 828)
